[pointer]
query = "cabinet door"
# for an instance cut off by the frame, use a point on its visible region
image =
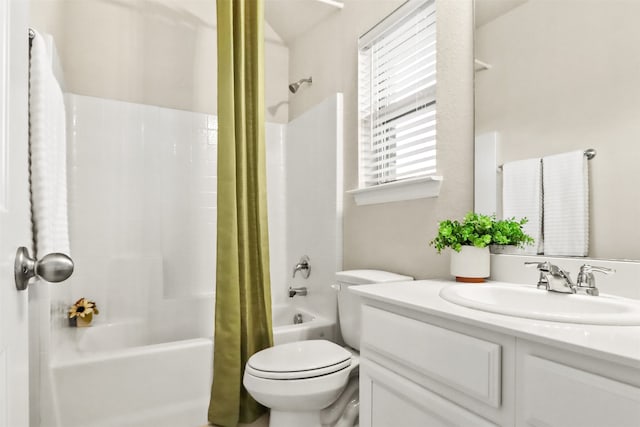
(390, 400)
(551, 394)
(464, 363)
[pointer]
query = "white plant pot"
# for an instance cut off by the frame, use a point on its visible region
(471, 264)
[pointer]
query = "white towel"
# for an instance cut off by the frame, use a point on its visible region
(566, 204)
(48, 151)
(522, 198)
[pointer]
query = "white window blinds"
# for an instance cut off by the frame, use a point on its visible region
(396, 95)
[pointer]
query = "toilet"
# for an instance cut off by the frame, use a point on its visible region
(298, 380)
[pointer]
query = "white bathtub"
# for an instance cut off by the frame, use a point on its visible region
(102, 383)
(314, 327)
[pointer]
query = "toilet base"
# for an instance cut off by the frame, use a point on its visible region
(294, 419)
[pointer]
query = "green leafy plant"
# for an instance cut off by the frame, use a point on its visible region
(480, 231)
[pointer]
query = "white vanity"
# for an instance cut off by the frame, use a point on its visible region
(428, 362)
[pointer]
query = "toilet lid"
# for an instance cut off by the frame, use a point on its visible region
(300, 359)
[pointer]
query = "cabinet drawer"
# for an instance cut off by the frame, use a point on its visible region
(467, 364)
(389, 400)
(555, 395)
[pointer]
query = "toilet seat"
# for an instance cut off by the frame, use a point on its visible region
(299, 360)
(297, 375)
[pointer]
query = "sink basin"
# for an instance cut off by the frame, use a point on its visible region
(533, 303)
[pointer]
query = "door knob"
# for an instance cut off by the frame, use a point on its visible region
(54, 267)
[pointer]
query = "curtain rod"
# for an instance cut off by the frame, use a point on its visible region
(589, 154)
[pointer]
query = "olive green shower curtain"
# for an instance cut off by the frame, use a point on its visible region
(243, 297)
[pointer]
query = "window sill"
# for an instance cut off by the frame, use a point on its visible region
(410, 189)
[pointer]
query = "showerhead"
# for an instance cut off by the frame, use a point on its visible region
(293, 87)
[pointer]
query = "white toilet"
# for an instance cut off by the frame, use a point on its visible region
(299, 379)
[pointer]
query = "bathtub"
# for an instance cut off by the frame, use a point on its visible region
(313, 327)
(111, 377)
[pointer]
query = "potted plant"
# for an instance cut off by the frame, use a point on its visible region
(470, 240)
(508, 236)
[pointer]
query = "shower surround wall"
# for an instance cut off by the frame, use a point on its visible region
(143, 211)
(142, 208)
(314, 191)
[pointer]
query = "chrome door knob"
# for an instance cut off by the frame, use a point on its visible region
(54, 267)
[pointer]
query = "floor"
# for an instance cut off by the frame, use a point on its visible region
(263, 421)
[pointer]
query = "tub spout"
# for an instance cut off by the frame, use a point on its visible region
(297, 291)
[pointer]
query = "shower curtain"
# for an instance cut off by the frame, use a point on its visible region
(243, 297)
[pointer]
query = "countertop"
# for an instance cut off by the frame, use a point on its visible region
(619, 344)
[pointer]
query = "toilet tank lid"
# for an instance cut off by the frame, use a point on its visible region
(363, 277)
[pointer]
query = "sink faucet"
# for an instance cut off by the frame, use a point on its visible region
(303, 265)
(553, 278)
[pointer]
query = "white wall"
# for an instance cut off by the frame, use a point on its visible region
(395, 236)
(141, 199)
(157, 52)
(142, 203)
(564, 76)
(314, 202)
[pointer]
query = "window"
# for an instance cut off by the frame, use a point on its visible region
(396, 96)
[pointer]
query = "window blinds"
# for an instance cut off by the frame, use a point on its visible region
(396, 95)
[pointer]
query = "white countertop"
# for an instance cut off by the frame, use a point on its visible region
(620, 344)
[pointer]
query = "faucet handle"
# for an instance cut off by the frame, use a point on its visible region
(587, 281)
(547, 267)
(302, 265)
(586, 268)
(542, 266)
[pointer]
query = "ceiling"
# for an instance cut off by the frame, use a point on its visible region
(291, 18)
(488, 10)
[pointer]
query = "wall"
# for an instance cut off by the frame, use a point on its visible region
(142, 211)
(157, 52)
(562, 79)
(313, 158)
(395, 236)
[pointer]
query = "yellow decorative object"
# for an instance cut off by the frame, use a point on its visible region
(83, 322)
(82, 311)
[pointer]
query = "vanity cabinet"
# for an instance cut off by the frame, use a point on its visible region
(561, 389)
(421, 370)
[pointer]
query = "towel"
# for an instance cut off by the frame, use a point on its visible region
(566, 204)
(48, 151)
(522, 198)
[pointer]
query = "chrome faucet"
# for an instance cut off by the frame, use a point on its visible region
(297, 291)
(303, 266)
(553, 278)
(587, 281)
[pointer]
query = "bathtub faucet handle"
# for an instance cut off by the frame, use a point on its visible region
(303, 265)
(297, 291)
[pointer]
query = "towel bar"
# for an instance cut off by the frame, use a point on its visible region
(589, 153)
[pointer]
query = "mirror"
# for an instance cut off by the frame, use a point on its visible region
(565, 75)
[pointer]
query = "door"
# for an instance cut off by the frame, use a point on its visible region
(14, 211)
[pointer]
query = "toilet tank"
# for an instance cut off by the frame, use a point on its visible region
(349, 303)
